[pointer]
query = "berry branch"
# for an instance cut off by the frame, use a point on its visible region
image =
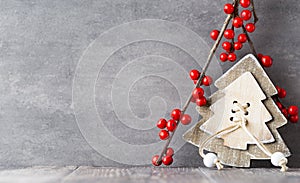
(197, 96)
(290, 113)
(157, 160)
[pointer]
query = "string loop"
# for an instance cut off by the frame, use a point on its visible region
(240, 122)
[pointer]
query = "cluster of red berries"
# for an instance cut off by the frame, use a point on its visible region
(167, 127)
(170, 126)
(198, 93)
(166, 160)
(230, 47)
(229, 34)
(291, 113)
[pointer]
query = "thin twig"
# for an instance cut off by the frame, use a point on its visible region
(209, 59)
(235, 14)
(232, 41)
(249, 41)
(253, 11)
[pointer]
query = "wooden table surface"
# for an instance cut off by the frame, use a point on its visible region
(147, 174)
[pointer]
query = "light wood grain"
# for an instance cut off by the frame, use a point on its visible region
(36, 174)
(244, 90)
(88, 174)
(235, 157)
(136, 174)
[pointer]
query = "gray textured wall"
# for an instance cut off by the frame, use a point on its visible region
(43, 42)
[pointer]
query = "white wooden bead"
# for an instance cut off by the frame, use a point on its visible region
(210, 159)
(276, 158)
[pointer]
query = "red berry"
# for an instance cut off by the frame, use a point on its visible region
(250, 27)
(231, 57)
(284, 112)
(278, 89)
(245, 3)
(171, 125)
(201, 101)
(238, 45)
(207, 80)
(175, 114)
(228, 8)
(186, 119)
(282, 93)
(294, 119)
(246, 15)
(193, 100)
(154, 161)
(163, 134)
(237, 22)
(279, 105)
(167, 160)
(197, 93)
(259, 56)
(226, 45)
(161, 123)
(293, 110)
(229, 34)
(169, 152)
(223, 57)
(266, 61)
(242, 38)
(195, 81)
(214, 34)
(194, 74)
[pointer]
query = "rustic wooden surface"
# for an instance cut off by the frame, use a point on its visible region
(235, 157)
(147, 174)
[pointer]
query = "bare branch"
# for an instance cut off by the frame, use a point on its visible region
(253, 11)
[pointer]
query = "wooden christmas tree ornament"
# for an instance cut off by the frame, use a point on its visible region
(241, 119)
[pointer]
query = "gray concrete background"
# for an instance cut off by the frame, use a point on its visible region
(41, 44)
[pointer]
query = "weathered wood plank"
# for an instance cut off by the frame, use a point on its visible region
(256, 175)
(148, 175)
(36, 174)
(137, 174)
